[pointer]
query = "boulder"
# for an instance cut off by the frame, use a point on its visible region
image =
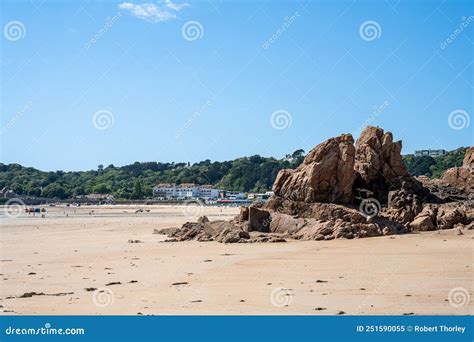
(462, 177)
(243, 215)
(326, 174)
(203, 219)
(448, 217)
(403, 206)
(259, 220)
(442, 190)
(422, 223)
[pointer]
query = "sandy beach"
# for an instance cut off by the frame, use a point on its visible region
(106, 260)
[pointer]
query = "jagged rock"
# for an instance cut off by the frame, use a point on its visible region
(329, 221)
(447, 218)
(220, 231)
(380, 167)
(442, 190)
(326, 174)
(203, 219)
(259, 220)
(403, 206)
(443, 216)
(378, 157)
(422, 223)
(469, 158)
(243, 215)
(460, 177)
(166, 231)
(317, 211)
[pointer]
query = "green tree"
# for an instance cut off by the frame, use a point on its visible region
(137, 190)
(54, 190)
(298, 153)
(101, 188)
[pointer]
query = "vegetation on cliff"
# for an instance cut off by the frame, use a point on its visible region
(434, 167)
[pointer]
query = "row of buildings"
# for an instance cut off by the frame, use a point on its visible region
(167, 191)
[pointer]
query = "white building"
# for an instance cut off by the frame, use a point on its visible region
(208, 192)
(184, 191)
(260, 196)
(430, 153)
(234, 195)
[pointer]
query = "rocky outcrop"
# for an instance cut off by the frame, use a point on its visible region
(220, 231)
(469, 158)
(457, 183)
(403, 206)
(378, 158)
(380, 168)
(326, 174)
(462, 178)
(444, 216)
(331, 221)
(444, 191)
(342, 190)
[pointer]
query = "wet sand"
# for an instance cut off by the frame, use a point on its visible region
(67, 261)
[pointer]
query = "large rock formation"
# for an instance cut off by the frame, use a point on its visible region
(457, 183)
(378, 158)
(346, 191)
(326, 174)
(462, 177)
(380, 167)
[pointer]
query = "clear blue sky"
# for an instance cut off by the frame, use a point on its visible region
(177, 99)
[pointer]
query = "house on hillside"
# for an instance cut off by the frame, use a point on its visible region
(430, 153)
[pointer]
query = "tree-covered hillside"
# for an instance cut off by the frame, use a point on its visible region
(434, 167)
(136, 181)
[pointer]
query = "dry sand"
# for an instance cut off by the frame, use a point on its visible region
(62, 256)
